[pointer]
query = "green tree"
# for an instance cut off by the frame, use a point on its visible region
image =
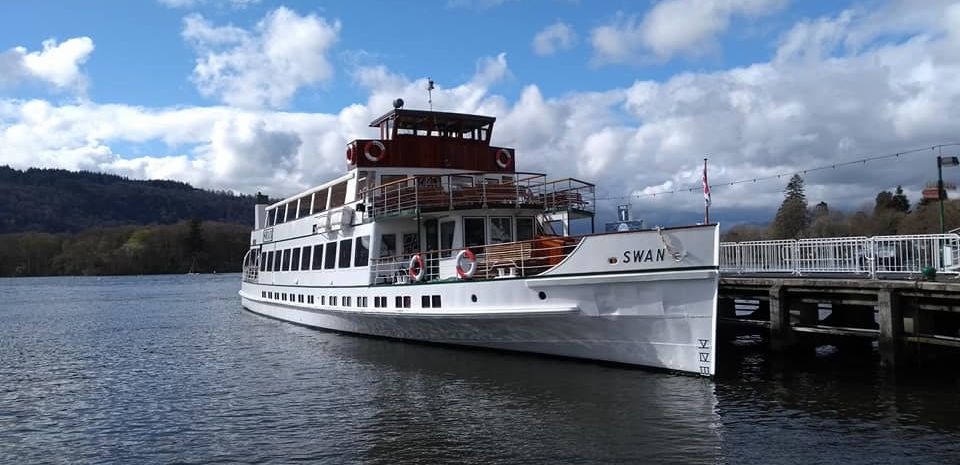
(792, 218)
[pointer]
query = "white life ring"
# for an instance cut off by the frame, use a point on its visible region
(381, 151)
(351, 156)
(504, 158)
(471, 264)
(416, 268)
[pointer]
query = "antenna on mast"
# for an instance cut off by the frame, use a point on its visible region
(430, 88)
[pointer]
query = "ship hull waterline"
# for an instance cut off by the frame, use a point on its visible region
(665, 320)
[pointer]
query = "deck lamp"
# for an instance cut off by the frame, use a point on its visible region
(941, 162)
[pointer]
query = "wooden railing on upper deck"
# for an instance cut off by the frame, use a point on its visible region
(424, 193)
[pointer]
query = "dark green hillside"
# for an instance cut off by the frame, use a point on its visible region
(52, 200)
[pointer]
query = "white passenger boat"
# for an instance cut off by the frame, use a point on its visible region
(433, 235)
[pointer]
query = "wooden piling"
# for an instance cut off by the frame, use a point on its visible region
(890, 316)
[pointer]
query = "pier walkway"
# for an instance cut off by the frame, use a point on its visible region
(901, 291)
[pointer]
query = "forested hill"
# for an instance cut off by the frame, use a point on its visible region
(53, 200)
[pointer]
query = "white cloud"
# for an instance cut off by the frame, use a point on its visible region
(56, 64)
(554, 38)
(263, 67)
(672, 27)
(816, 102)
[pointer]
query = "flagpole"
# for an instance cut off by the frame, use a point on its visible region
(706, 189)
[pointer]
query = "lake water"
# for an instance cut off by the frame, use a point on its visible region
(171, 369)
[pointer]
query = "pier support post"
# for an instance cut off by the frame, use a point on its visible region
(891, 327)
(781, 335)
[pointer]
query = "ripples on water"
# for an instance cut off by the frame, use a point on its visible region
(171, 370)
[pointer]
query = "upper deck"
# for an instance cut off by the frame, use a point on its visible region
(430, 139)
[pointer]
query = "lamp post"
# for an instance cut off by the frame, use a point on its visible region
(941, 162)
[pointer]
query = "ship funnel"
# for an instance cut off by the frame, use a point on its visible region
(260, 211)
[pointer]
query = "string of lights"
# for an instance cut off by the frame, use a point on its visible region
(861, 161)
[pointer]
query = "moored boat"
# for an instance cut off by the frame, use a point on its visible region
(433, 235)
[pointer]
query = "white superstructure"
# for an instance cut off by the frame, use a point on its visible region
(432, 235)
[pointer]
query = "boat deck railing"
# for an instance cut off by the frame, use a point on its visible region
(424, 193)
(493, 261)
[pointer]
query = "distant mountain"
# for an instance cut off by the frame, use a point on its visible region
(52, 200)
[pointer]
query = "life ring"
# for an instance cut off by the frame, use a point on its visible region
(351, 156)
(416, 268)
(381, 151)
(504, 158)
(471, 264)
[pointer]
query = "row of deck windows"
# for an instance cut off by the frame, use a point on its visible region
(319, 256)
(427, 301)
(316, 202)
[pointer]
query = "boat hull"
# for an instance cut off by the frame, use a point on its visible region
(655, 319)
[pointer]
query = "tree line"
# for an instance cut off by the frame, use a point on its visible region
(55, 201)
(186, 246)
(892, 213)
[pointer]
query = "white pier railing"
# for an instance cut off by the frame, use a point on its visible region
(878, 256)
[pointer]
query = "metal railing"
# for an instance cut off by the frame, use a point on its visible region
(415, 194)
(511, 259)
(251, 266)
(866, 256)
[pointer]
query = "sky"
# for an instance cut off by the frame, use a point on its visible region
(258, 95)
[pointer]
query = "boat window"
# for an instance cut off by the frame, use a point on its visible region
(501, 229)
(304, 210)
(388, 245)
(364, 181)
(399, 302)
(338, 195)
(295, 260)
(319, 201)
(317, 256)
(276, 261)
(388, 178)
(305, 258)
(508, 179)
(474, 234)
(552, 228)
(411, 243)
(424, 301)
(435, 300)
(263, 261)
(272, 217)
(286, 260)
(362, 255)
(446, 237)
(524, 229)
(344, 261)
(292, 210)
(270, 261)
(330, 257)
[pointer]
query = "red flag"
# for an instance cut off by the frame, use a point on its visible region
(706, 186)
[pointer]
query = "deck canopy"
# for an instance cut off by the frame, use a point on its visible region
(434, 123)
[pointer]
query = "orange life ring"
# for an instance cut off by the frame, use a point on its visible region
(381, 151)
(471, 264)
(416, 268)
(351, 156)
(504, 158)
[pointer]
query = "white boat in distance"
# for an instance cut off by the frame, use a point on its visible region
(432, 235)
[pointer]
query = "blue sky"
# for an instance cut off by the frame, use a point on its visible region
(262, 95)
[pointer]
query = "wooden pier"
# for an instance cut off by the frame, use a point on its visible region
(907, 318)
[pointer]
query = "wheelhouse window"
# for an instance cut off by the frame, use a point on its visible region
(344, 261)
(272, 217)
(295, 260)
(317, 256)
(525, 229)
(501, 229)
(388, 245)
(291, 210)
(361, 256)
(446, 237)
(330, 257)
(474, 234)
(338, 195)
(305, 258)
